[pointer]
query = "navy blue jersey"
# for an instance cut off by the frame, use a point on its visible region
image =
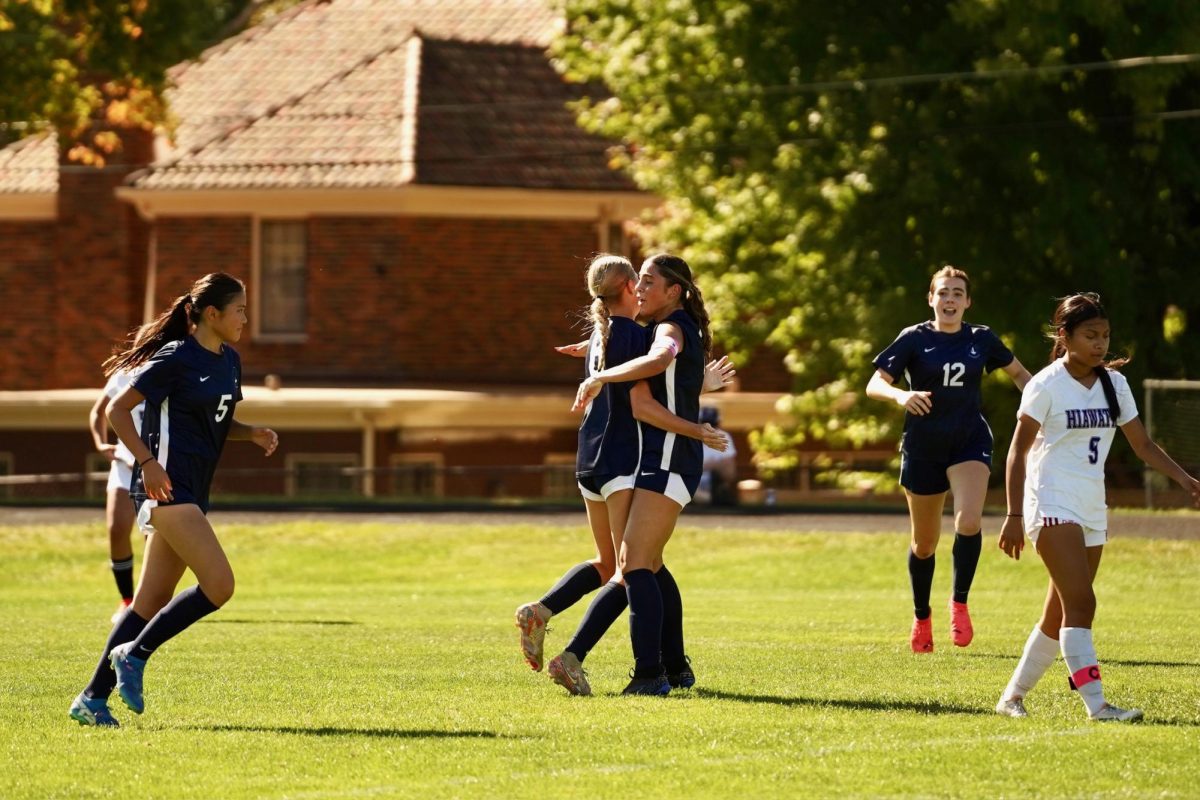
(608, 435)
(950, 366)
(678, 389)
(190, 396)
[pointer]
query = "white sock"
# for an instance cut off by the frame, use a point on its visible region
(1040, 652)
(1080, 655)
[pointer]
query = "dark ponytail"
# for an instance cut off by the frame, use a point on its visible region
(215, 289)
(676, 271)
(1073, 311)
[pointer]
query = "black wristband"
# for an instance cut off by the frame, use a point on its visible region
(147, 461)
(1014, 515)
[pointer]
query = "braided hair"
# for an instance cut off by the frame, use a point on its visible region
(606, 274)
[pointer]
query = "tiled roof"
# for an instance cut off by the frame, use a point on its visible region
(30, 165)
(496, 115)
(346, 133)
(288, 55)
(325, 95)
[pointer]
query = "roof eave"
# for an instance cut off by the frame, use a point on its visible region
(411, 200)
(29, 206)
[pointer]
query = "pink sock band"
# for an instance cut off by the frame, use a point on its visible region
(1085, 676)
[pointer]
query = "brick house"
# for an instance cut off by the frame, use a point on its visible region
(411, 205)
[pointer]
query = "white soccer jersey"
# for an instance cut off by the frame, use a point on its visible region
(1065, 469)
(117, 383)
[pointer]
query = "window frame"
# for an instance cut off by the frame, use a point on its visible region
(256, 276)
(436, 460)
(292, 462)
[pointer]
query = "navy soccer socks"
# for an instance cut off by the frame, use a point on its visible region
(185, 608)
(578, 581)
(606, 608)
(104, 679)
(672, 621)
(920, 570)
(966, 559)
(645, 622)
(123, 574)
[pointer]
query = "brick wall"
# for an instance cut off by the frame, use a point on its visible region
(395, 300)
(99, 269)
(28, 305)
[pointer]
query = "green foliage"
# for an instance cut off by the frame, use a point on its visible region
(83, 66)
(380, 660)
(815, 201)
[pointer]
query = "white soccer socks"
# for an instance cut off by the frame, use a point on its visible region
(1040, 653)
(1080, 655)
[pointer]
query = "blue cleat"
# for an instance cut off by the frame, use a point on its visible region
(129, 671)
(657, 686)
(92, 711)
(684, 678)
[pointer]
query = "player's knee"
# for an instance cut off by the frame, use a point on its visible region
(1079, 605)
(968, 522)
(219, 590)
(923, 550)
(607, 567)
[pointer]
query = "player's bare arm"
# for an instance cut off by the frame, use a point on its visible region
(1020, 376)
(1156, 458)
(647, 409)
(1012, 532)
(882, 387)
(668, 343)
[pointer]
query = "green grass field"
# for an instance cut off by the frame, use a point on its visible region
(369, 660)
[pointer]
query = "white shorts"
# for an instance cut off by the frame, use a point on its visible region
(600, 493)
(1046, 516)
(120, 475)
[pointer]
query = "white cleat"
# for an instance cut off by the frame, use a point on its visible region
(1113, 714)
(533, 634)
(1012, 707)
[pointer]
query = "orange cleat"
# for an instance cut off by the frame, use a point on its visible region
(921, 639)
(960, 624)
(533, 635)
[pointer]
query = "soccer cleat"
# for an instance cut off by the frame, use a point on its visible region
(565, 670)
(961, 630)
(1113, 714)
(533, 635)
(120, 612)
(921, 638)
(1011, 707)
(92, 711)
(657, 686)
(129, 671)
(684, 678)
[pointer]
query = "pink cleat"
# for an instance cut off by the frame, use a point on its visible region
(960, 624)
(921, 639)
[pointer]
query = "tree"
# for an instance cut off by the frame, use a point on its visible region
(84, 67)
(815, 188)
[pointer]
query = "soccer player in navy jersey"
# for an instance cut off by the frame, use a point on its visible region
(606, 467)
(670, 468)
(1055, 485)
(947, 444)
(190, 385)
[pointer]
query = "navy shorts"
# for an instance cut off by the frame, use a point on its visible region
(680, 488)
(925, 473)
(600, 487)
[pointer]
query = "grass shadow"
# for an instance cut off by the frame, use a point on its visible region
(927, 707)
(371, 733)
(244, 621)
(1116, 662)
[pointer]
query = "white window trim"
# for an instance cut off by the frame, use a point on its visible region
(438, 460)
(292, 460)
(256, 331)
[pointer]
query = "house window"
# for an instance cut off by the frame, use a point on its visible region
(326, 474)
(559, 475)
(282, 279)
(417, 474)
(6, 469)
(96, 463)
